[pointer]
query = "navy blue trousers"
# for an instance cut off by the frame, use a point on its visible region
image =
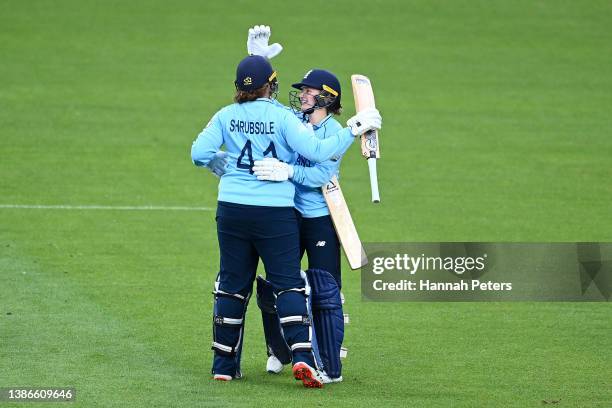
(247, 233)
(319, 240)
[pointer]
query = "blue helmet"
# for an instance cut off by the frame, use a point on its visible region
(253, 72)
(319, 79)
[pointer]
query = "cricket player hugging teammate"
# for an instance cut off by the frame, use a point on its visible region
(266, 145)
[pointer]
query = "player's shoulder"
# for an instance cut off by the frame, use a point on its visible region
(334, 124)
(243, 110)
(277, 104)
(273, 107)
(226, 110)
(282, 109)
(288, 116)
(331, 126)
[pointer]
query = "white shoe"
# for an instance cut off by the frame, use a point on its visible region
(328, 380)
(274, 366)
(310, 377)
(223, 377)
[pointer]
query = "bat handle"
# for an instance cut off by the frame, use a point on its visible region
(373, 180)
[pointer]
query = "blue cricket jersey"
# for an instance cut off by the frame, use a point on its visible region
(309, 177)
(251, 131)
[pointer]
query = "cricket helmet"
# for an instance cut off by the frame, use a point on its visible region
(253, 72)
(318, 79)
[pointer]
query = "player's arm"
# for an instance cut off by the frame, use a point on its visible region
(206, 146)
(271, 169)
(301, 138)
(316, 176)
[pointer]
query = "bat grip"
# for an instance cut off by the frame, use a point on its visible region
(373, 180)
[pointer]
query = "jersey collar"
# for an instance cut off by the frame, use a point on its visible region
(321, 123)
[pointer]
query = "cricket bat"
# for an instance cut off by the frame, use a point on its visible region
(343, 222)
(364, 98)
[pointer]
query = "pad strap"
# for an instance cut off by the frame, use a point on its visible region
(299, 290)
(227, 321)
(223, 349)
(306, 346)
(291, 320)
(218, 292)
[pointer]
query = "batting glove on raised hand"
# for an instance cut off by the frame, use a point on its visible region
(271, 169)
(218, 164)
(257, 42)
(365, 121)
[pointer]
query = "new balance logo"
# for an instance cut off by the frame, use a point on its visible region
(321, 244)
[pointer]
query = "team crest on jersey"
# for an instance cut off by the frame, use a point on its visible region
(247, 81)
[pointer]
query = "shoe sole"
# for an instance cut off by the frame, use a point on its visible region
(302, 372)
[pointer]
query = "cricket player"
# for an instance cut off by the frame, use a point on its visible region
(316, 99)
(256, 218)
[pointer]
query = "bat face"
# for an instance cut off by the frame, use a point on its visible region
(364, 98)
(343, 223)
(362, 89)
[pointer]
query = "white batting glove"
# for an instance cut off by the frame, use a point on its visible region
(257, 42)
(271, 169)
(365, 121)
(218, 164)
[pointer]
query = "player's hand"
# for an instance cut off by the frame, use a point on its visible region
(218, 164)
(365, 121)
(257, 42)
(271, 169)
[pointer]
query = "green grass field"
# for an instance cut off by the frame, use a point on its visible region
(497, 127)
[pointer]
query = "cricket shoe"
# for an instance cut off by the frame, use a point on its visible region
(274, 366)
(225, 377)
(308, 375)
(328, 380)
